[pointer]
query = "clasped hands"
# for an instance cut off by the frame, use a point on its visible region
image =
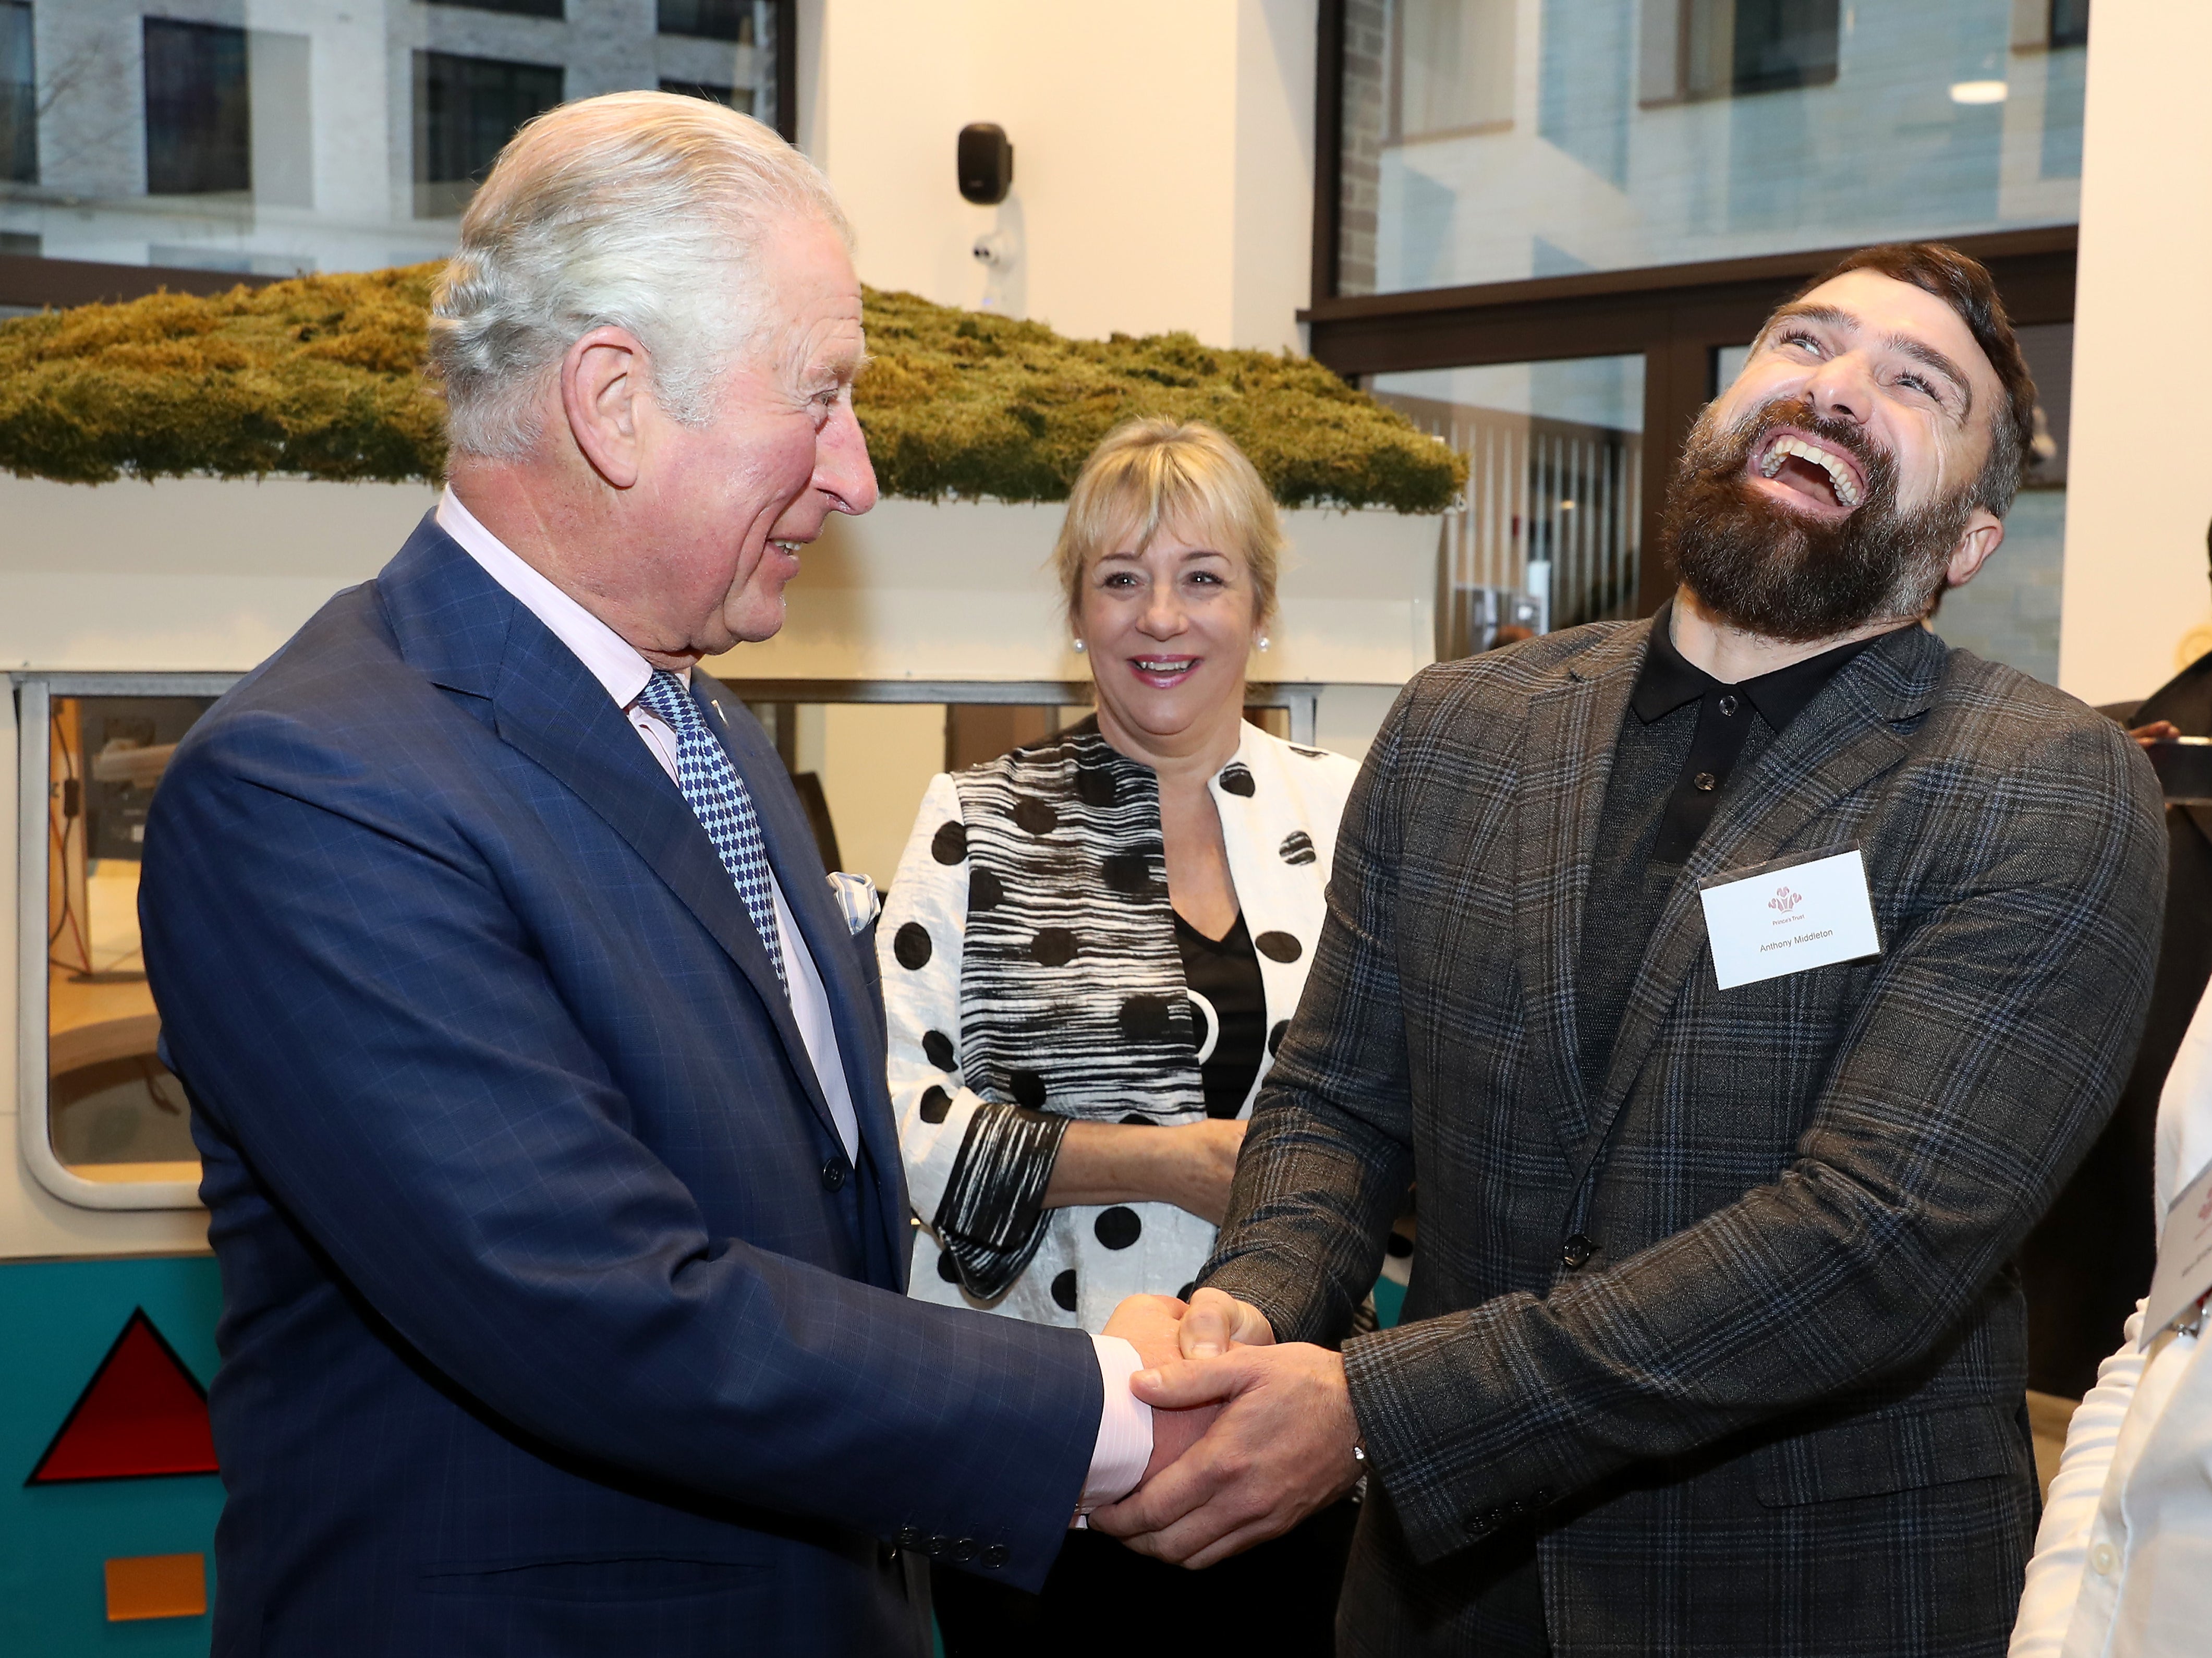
(1248, 1438)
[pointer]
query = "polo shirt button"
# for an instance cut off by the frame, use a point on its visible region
(997, 1556)
(964, 1549)
(834, 1173)
(2102, 1559)
(1727, 705)
(1705, 782)
(1575, 1253)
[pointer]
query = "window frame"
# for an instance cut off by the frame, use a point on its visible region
(1677, 316)
(35, 694)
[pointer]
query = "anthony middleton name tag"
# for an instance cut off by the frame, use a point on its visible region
(1784, 917)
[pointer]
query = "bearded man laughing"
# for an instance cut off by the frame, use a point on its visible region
(1739, 986)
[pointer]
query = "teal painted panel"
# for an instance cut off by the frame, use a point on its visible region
(58, 1320)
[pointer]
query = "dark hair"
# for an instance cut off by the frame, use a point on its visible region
(1964, 284)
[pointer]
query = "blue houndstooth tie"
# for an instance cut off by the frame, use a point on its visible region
(717, 795)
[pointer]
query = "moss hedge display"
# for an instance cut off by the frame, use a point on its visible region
(320, 376)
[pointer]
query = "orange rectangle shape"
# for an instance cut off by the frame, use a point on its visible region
(156, 1586)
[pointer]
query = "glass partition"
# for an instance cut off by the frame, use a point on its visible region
(1548, 533)
(1499, 140)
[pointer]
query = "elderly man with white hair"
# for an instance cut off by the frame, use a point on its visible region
(536, 1067)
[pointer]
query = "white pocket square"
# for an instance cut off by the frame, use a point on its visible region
(856, 897)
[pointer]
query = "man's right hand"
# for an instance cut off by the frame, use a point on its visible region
(1217, 1321)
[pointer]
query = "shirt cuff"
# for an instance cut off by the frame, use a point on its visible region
(1125, 1429)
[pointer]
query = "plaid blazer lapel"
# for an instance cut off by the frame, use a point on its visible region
(1567, 752)
(1847, 736)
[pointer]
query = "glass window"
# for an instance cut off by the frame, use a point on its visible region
(1499, 140)
(1548, 533)
(711, 20)
(115, 1113)
(199, 139)
(19, 99)
(465, 108)
(321, 138)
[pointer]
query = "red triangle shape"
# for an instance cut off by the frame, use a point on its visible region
(142, 1414)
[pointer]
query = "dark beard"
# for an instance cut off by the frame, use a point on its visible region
(1770, 571)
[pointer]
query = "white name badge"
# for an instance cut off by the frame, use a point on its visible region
(1786, 917)
(2183, 1277)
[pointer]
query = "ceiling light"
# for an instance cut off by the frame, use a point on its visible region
(1977, 92)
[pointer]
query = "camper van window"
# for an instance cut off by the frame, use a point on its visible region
(115, 1113)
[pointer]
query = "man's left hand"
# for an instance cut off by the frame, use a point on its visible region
(1281, 1450)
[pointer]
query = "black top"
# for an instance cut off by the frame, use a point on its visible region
(1222, 977)
(1684, 734)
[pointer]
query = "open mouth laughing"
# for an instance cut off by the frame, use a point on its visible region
(1809, 474)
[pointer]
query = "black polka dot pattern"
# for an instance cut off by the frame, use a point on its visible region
(1129, 872)
(1311, 754)
(1028, 1090)
(1052, 947)
(1146, 1018)
(1118, 1228)
(1237, 779)
(939, 1046)
(1036, 816)
(1398, 1247)
(950, 844)
(935, 1104)
(1094, 785)
(1063, 1291)
(1279, 946)
(911, 946)
(1186, 1291)
(1275, 1037)
(1298, 849)
(1136, 1119)
(947, 1268)
(985, 890)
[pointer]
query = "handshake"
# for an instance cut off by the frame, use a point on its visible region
(1248, 1438)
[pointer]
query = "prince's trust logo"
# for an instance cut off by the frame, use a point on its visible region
(1784, 900)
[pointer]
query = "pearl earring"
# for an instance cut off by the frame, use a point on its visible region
(1080, 647)
(1262, 642)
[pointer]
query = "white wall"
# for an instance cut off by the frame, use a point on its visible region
(1163, 155)
(2139, 490)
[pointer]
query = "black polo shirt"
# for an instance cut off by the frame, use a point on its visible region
(1683, 736)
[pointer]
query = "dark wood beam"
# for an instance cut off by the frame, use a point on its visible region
(28, 280)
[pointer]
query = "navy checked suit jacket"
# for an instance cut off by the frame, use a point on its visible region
(1775, 1406)
(555, 1319)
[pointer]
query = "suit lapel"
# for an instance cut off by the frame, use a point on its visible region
(792, 853)
(1573, 728)
(1844, 738)
(547, 705)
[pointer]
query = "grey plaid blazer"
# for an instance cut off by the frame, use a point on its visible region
(1780, 1410)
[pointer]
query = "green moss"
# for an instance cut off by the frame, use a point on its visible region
(319, 377)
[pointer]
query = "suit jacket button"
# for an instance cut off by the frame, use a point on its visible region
(834, 1173)
(964, 1549)
(1575, 1253)
(911, 1536)
(997, 1556)
(939, 1545)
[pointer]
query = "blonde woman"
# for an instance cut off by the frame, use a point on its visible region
(1089, 955)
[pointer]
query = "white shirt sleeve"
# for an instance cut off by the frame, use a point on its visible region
(2062, 1542)
(1125, 1429)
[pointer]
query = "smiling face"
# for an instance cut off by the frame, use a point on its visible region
(720, 512)
(1833, 484)
(1169, 627)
